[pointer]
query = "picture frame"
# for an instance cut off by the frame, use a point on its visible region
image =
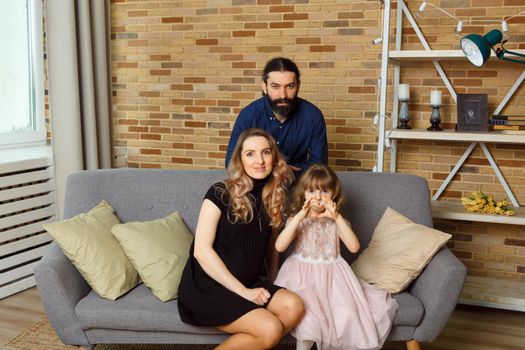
(472, 114)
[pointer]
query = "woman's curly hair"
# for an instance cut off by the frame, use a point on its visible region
(238, 183)
(320, 177)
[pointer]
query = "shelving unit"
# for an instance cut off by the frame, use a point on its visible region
(483, 291)
(433, 55)
(493, 292)
(451, 135)
(455, 211)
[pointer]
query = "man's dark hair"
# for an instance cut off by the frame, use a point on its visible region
(280, 64)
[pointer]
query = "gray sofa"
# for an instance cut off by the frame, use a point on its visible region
(80, 317)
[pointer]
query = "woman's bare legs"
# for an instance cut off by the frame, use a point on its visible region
(287, 307)
(264, 328)
(258, 329)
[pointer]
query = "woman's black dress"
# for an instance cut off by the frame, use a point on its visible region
(242, 247)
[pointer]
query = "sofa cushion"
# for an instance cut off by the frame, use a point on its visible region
(138, 310)
(87, 241)
(398, 252)
(410, 312)
(158, 249)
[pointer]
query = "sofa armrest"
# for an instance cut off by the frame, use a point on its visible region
(61, 286)
(438, 288)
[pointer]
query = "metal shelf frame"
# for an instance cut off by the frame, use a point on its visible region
(512, 297)
(398, 55)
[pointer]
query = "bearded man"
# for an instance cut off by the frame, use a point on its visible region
(296, 124)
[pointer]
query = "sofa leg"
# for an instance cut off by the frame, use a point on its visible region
(413, 345)
(86, 347)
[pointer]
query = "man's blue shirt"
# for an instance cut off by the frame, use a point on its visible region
(301, 138)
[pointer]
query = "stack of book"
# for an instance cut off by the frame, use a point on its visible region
(508, 123)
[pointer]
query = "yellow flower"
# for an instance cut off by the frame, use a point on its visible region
(480, 202)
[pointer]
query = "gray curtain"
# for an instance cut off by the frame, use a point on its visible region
(78, 58)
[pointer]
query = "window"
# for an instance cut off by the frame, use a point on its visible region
(21, 72)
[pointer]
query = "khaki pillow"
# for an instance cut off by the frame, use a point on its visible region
(87, 241)
(398, 252)
(158, 249)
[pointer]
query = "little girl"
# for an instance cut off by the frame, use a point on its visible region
(342, 312)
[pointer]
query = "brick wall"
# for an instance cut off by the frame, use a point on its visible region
(182, 70)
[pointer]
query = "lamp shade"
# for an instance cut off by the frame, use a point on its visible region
(477, 48)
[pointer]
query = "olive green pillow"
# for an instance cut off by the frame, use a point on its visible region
(158, 249)
(398, 252)
(87, 241)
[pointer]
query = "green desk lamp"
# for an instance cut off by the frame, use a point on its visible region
(477, 48)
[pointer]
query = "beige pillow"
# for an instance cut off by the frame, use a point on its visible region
(87, 241)
(398, 252)
(158, 249)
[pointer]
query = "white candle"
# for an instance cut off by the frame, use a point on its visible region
(404, 92)
(435, 98)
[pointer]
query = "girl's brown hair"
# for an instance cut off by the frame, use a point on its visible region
(316, 177)
(238, 183)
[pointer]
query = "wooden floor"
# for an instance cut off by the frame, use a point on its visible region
(18, 313)
(478, 328)
(469, 328)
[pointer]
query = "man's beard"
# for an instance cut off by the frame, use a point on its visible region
(283, 110)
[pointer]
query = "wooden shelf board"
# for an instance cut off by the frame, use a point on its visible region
(452, 135)
(494, 292)
(432, 55)
(456, 211)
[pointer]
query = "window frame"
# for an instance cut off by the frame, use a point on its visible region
(36, 66)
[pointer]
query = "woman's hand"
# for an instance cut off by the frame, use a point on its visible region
(259, 296)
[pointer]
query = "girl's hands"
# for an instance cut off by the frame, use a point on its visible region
(304, 210)
(287, 235)
(259, 296)
(330, 210)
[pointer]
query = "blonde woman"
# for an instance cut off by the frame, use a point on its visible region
(220, 286)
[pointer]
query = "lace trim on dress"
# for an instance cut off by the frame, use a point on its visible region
(330, 260)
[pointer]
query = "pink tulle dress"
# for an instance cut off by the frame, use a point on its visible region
(342, 311)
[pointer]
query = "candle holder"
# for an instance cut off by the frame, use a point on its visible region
(435, 119)
(404, 117)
